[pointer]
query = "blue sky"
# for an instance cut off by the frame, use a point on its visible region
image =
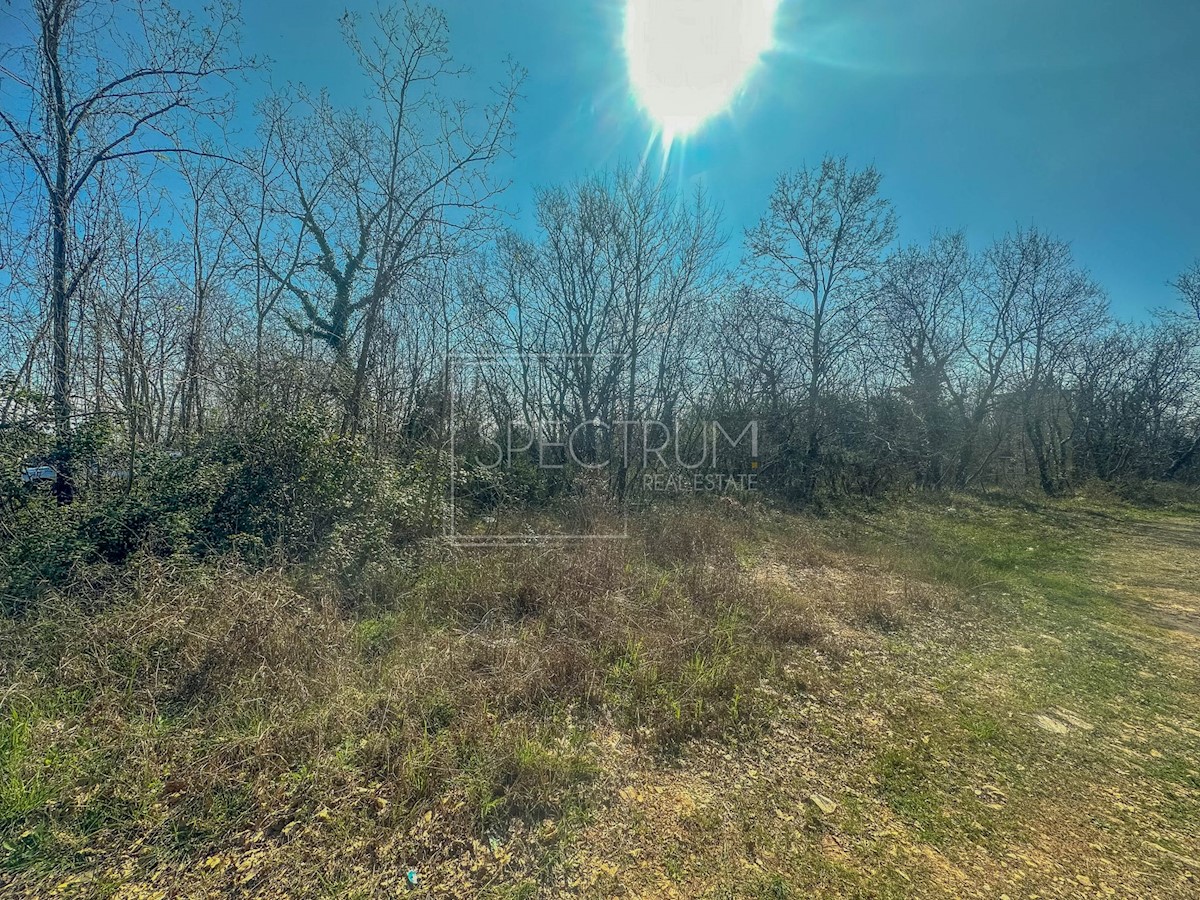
(1082, 116)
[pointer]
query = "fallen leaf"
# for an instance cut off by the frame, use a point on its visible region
(823, 803)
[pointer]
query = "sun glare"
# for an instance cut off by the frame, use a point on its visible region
(689, 59)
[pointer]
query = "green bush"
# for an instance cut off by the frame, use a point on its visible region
(284, 489)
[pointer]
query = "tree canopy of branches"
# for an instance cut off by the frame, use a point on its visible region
(95, 88)
(165, 283)
(817, 252)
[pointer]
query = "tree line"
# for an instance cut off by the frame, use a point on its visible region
(164, 281)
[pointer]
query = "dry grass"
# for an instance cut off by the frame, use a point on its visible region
(161, 715)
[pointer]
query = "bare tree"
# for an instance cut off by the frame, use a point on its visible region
(603, 312)
(96, 83)
(816, 252)
(210, 242)
(1188, 286)
(377, 193)
(267, 250)
(924, 311)
(1059, 306)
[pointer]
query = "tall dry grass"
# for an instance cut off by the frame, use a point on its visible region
(165, 710)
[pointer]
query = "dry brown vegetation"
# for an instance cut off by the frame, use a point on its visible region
(169, 711)
(606, 718)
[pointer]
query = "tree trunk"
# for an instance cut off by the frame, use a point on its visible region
(60, 311)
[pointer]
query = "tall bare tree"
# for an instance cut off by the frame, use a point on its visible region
(1058, 307)
(924, 311)
(380, 191)
(816, 252)
(210, 242)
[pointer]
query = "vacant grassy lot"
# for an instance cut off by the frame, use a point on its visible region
(967, 697)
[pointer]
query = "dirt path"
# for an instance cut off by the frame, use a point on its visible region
(1155, 566)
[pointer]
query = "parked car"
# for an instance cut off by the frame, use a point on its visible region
(38, 474)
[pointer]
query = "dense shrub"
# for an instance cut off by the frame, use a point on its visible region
(285, 489)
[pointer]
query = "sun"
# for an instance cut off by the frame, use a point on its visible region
(689, 59)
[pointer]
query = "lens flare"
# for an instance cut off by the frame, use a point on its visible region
(689, 59)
